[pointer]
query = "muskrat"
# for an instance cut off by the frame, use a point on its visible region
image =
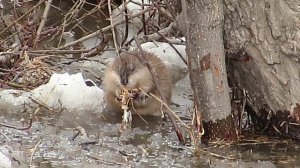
(126, 71)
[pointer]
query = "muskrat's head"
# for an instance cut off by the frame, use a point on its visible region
(126, 66)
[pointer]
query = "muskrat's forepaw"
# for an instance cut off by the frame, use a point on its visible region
(141, 97)
(118, 99)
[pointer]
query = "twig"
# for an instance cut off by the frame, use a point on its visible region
(244, 99)
(174, 48)
(112, 28)
(141, 4)
(75, 135)
(165, 105)
(79, 20)
(103, 30)
(68, 18)
(45, 106)
(197, 121)
(99, 48)
(80, 130)
(126, 23)
(138, 113)
(59, 51)
(3, 54)
(17, 128)
(289, 123)
(20, 18)
(144, 19)
(169, 113)
(158, 35)
(105, 161)
(17, 62)
(167, 13)
(220, 156)
(130, 40)
(33, 152)
(43, 21)
(5, 136)
(15, 85)
(93, 73)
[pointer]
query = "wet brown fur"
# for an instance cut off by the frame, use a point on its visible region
(138, 77)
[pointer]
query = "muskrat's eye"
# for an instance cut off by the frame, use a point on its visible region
(131, 67)
(119, 68)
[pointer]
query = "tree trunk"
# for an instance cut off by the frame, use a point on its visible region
(263, 42)
(206, 61)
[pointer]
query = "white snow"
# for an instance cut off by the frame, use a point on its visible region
(71, 92)
(169, 56)
(62, 91)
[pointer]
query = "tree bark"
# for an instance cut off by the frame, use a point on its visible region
(263, 43)
(206, 61)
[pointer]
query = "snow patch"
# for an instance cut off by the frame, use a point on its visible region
(71, 92)
(62, 91)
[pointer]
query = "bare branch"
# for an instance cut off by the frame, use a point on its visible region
(103, 30)
(43, 21)
(22, 17)
(112, 28)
